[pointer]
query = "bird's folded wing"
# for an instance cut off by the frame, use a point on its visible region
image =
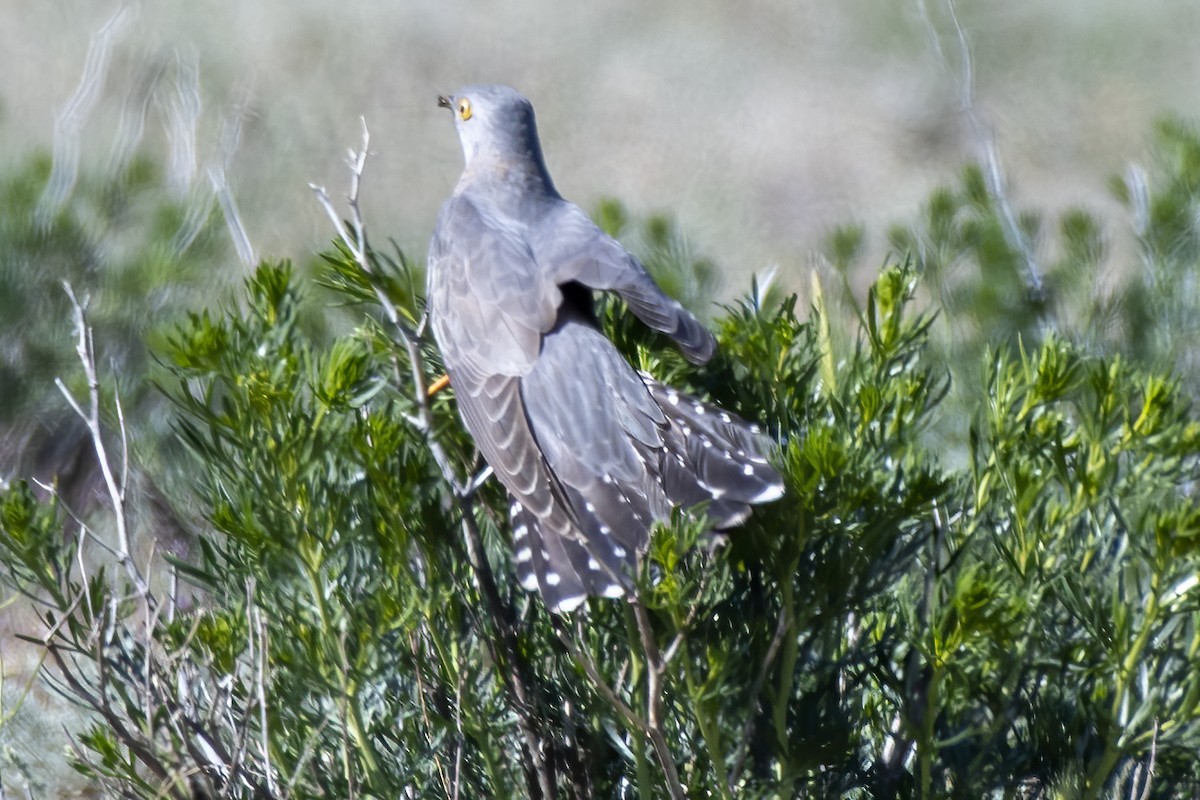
(569, 246)
(602, 435)
(489, 307)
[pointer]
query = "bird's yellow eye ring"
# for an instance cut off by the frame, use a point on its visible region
(464, 109)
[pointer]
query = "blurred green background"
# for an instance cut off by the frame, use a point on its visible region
(758, 125)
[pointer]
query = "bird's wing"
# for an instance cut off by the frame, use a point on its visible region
(569, 246)
(545, 533)
(602, 433)
(489, 307)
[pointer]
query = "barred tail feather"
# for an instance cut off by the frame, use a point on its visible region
(713, 455)
(588, 541)
(557, 563)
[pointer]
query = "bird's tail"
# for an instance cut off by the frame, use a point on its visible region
(706, 456)
(713, 456)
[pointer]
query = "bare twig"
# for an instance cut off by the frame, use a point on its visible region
(479, 479)
(70, 118)
(111, 718)
(651, 725)
(85, 349)
(460, 736)
(306, 755)
(422, 690)
(233, 218)
(515, 677)
(1144, 773)
(654, 708)
(781, 628)
(356, 243)
(585, 660)
(134, 679)
(259, 655)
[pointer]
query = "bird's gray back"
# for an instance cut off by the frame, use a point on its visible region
(488, 299)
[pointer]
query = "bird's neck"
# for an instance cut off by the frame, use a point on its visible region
(507, 178)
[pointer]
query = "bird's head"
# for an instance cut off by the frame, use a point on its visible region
(496, 127)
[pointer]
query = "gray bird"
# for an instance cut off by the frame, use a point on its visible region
(591, 451)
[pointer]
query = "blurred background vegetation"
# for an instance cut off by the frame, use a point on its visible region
(760, 126)
(1017, 614)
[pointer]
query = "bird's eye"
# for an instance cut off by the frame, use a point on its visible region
(464, 109)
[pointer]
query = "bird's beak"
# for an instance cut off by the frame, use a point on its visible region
(444, 102)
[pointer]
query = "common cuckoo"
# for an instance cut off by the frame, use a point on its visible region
(591, 451)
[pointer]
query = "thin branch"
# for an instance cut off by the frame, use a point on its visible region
(233, 218)
(654, 689)
(1146, 770)
(172, 593)
(150, 700)
(515, 678)
(586, 661)
(126, 662)
(70, 118)
(478, 481)
(83, 579)
(460, 737)
(356, 243)
(257, 630)
(307, 754)
(422, 690)
(102, 707)
(743, 749)
(85, 349)
(684, 626)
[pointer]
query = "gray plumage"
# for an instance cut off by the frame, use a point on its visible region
(591, 451)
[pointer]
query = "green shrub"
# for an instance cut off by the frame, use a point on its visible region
(1020, 620)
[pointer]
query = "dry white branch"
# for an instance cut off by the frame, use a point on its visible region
(355, 242)
(85, 349)
(654, 702)
(259, 655)
(233, 218)
(71, 117)
(1143, 774)
(130, 680)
